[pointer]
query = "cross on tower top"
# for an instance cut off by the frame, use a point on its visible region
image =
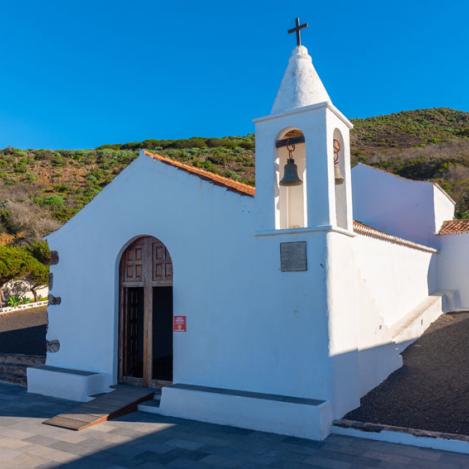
(297, 29)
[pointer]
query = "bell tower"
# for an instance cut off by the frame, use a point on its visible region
(303, 179)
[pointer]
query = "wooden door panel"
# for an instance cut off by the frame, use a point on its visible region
(162, 271)
(132, 263)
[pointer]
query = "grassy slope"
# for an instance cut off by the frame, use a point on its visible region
(40, 189)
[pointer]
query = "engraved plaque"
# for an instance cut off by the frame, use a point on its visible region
(293, 257)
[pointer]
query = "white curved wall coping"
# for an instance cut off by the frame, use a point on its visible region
(13, 309)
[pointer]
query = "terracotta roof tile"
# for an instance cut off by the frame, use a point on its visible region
(454, 227)
(229, 184)
(366, 230)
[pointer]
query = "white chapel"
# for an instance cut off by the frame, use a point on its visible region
(275, 308)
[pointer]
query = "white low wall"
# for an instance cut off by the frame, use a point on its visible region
(393, 281)
(295, 417)
(453, 270)
(63, 383)
(376, 290)
(395, 277)
(14, 309)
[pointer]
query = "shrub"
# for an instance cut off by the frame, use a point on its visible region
(13, 300)
(53, 200)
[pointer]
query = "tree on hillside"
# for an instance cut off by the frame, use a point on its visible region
(18, 263)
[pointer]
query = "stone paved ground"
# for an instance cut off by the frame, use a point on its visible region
(152, 441)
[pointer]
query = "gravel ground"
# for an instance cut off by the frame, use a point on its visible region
(23, 319)
(24, 331)
(431, 390)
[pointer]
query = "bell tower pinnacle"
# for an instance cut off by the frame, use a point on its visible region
(303, 153)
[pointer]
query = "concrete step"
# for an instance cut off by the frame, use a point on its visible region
(151, 406)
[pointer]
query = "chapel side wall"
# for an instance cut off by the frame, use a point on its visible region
(443, 207)
(397, 277)
(373, 284)
(392, 280)
(243, 329)
(393, 204)
(453, 270)
(343, 317)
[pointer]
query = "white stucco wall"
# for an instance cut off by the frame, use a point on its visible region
(443, 207)
(410, 209)
(453, 270)
(372, 286)
(396, 277)
(250, 326)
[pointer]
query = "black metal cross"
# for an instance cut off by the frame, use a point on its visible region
(297, 29)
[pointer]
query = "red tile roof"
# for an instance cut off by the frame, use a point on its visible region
(366, 230)
(229, 184)
(454, 227)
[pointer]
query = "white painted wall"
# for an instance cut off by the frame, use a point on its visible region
(443, 207)
(413, 210)
(250, 326)
(397, 277)
(453, 270)
(373, 285)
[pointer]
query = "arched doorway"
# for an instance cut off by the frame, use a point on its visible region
(146, 314)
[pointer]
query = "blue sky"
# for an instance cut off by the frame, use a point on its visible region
(80, 73)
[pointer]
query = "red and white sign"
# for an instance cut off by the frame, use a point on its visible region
(179, 324)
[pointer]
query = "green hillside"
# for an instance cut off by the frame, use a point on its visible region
(41, 189)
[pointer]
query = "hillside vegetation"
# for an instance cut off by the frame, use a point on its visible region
(41, 189)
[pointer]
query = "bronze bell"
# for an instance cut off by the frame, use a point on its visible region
(290, 171)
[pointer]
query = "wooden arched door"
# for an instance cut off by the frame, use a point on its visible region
(146, 314)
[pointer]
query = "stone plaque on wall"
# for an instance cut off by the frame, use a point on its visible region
(293, 257)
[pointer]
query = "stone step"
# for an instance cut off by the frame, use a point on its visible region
(20, 359)
(13, 379)
(19, 370)
(150, 406)
(13, 367)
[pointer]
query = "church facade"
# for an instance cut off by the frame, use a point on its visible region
(275, 308)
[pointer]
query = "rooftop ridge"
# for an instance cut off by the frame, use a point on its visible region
(366, 230)
(230, 184)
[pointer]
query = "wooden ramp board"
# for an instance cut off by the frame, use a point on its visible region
(121, 401)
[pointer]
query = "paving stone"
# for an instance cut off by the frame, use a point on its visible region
(219, 461)
(186, 444)
(322, 461)
(149, 440)
(388, 457)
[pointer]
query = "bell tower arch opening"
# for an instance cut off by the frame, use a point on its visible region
(339, 179)
(290, 180)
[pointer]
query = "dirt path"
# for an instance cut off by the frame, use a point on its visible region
(23, 319)
(431, 390)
